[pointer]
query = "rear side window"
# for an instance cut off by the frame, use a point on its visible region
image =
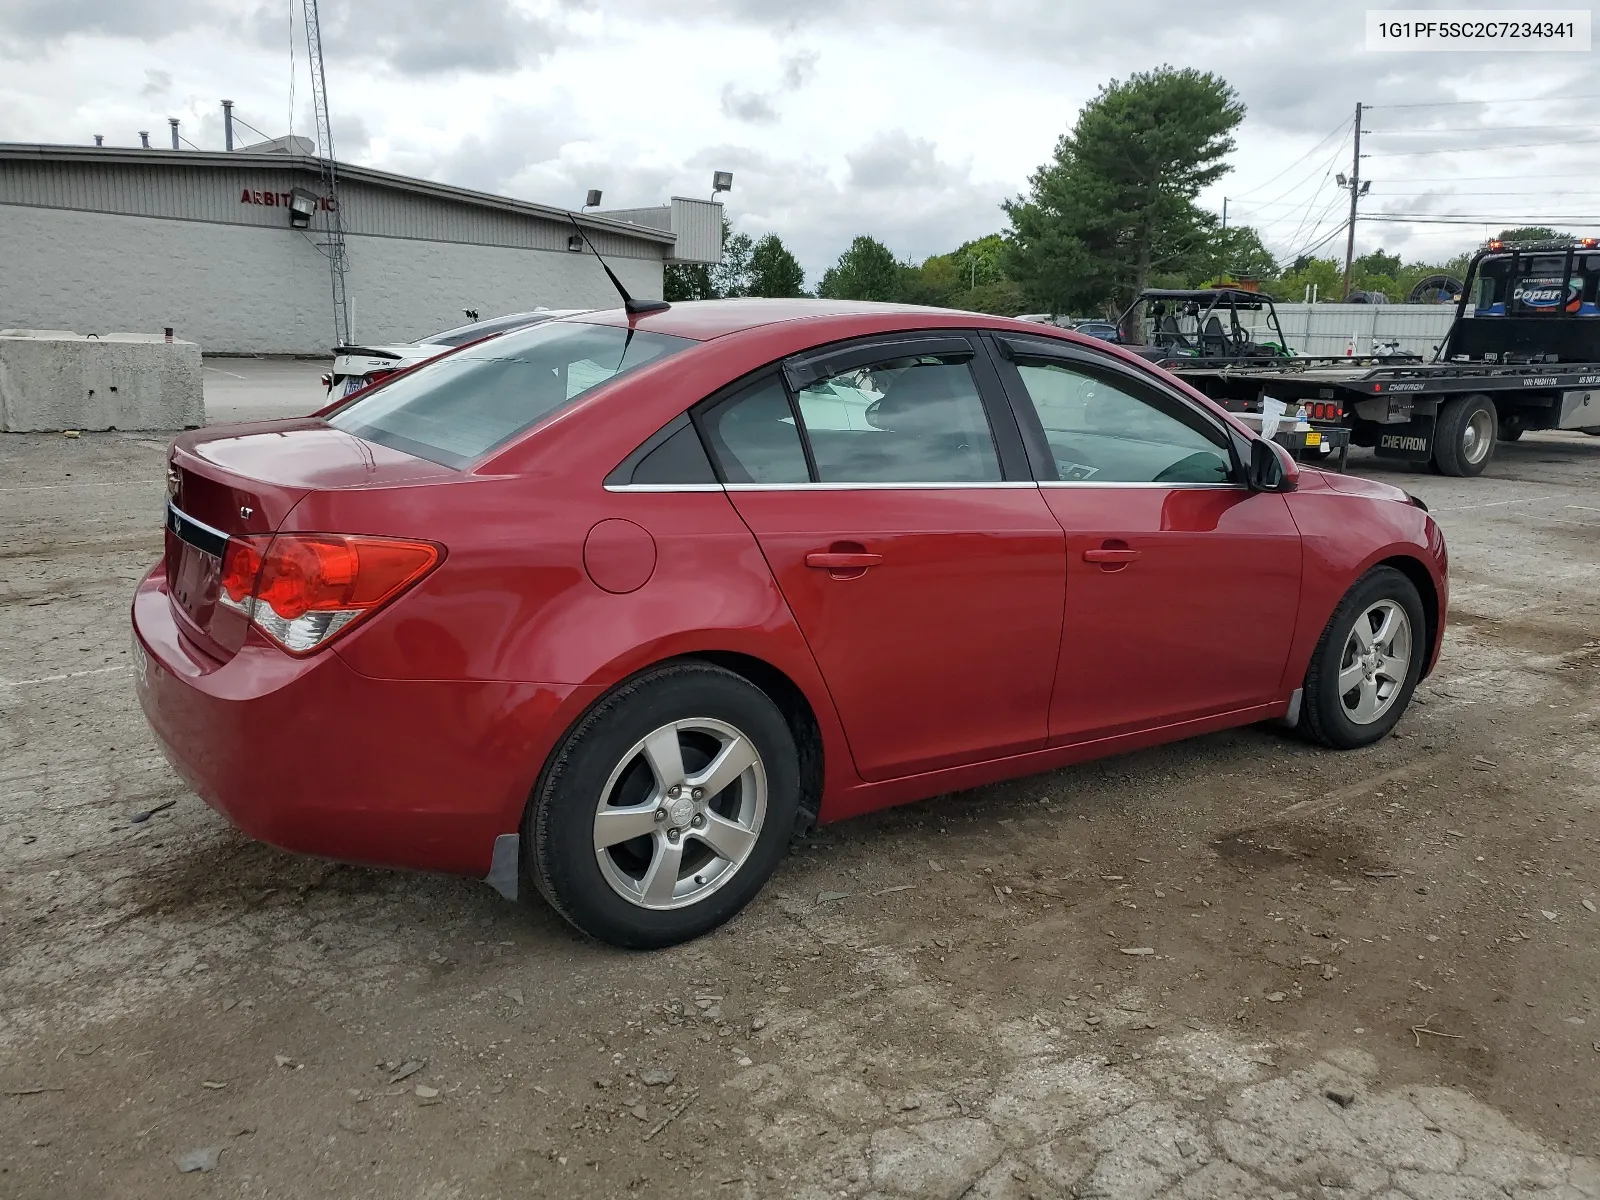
(753, 435)
(903, 420)
(455, 410)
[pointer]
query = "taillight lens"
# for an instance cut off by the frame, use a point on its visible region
(302, 589)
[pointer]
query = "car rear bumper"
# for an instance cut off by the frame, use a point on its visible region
(313, 757)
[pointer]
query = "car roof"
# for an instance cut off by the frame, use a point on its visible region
(703, 320)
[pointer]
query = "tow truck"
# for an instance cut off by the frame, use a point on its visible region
(1522, 353)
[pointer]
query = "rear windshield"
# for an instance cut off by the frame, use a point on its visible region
(463, 334)
(456, 409)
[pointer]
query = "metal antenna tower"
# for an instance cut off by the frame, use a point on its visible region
(330, 175)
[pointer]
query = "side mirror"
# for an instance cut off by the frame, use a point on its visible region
(1272, 468)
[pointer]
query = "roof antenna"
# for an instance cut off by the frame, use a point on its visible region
(629, 305)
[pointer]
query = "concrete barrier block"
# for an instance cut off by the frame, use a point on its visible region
(53, 379)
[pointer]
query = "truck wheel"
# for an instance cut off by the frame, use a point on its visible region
(1463, 437)
(1510, 433)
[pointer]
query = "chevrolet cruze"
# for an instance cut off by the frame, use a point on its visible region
(612, 605)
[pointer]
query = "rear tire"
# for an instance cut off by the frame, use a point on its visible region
(678, 863)
(1464, 435)
(1357, 687)
(1510, 433)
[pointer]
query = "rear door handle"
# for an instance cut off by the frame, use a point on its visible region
(833, 560)
(1110, 556)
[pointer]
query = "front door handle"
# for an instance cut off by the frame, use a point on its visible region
(1110, 556)
(834, 560)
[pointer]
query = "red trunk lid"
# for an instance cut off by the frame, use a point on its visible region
(245, 479)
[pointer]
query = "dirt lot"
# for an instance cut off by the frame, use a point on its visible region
(1236, 966)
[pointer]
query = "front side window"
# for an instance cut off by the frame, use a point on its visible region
(917, 419)
(1100, 431)
(456, 409)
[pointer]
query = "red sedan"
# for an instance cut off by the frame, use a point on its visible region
(614, 604)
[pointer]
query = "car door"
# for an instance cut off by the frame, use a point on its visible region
(888, 488)
(1182, 584)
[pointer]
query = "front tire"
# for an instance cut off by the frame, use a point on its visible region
(667, 807)
(1367, 663)
(1464, 435)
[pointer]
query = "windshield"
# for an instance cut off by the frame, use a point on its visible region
(462, 334)
(455, 409)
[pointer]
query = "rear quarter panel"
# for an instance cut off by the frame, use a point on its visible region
(514, 602)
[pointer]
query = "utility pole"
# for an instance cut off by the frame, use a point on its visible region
(1225, 213)
(330, 174)
(1355, 195)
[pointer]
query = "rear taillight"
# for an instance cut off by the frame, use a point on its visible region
(302, 589)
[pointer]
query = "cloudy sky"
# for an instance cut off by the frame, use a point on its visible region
(907, 119)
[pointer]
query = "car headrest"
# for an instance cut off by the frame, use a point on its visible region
(911, 397)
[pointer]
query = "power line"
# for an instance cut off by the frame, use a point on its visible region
(1481, 149)
(1295, 206)
(1475, 129)
(1317, 245)
(1496, 103)
(1341, 126)
(1484, 178)
(1327, 170)
(1501, 219)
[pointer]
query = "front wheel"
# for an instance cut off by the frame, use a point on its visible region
(1367, 663)
(665, 810)
(1464, 435)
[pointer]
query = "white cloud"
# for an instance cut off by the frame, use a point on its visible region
(907, 119)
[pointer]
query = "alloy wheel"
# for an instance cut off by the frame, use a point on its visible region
(1375, 662)
(680, 813)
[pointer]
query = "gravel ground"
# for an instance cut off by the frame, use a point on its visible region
(1236, 966)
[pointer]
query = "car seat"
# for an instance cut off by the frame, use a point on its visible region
(937, 425)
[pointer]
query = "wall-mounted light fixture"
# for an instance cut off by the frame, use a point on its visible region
(302, 204)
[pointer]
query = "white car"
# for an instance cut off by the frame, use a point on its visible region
(356, 367)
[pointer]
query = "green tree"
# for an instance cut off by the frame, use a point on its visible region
(1377, 263)
(731, 276)
(774, 271)
(1532, 233)
(1324, 273)
(866, 271)
(1116, 203)
(686, 281)
(1237, 253)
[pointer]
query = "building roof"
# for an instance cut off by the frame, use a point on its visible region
(223, 159)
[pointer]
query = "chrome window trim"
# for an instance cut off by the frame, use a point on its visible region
(1003, 484)
(663, 487)
(1106, 483)
(1008, 484)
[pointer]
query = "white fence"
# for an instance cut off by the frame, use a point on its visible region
(1331, 328)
